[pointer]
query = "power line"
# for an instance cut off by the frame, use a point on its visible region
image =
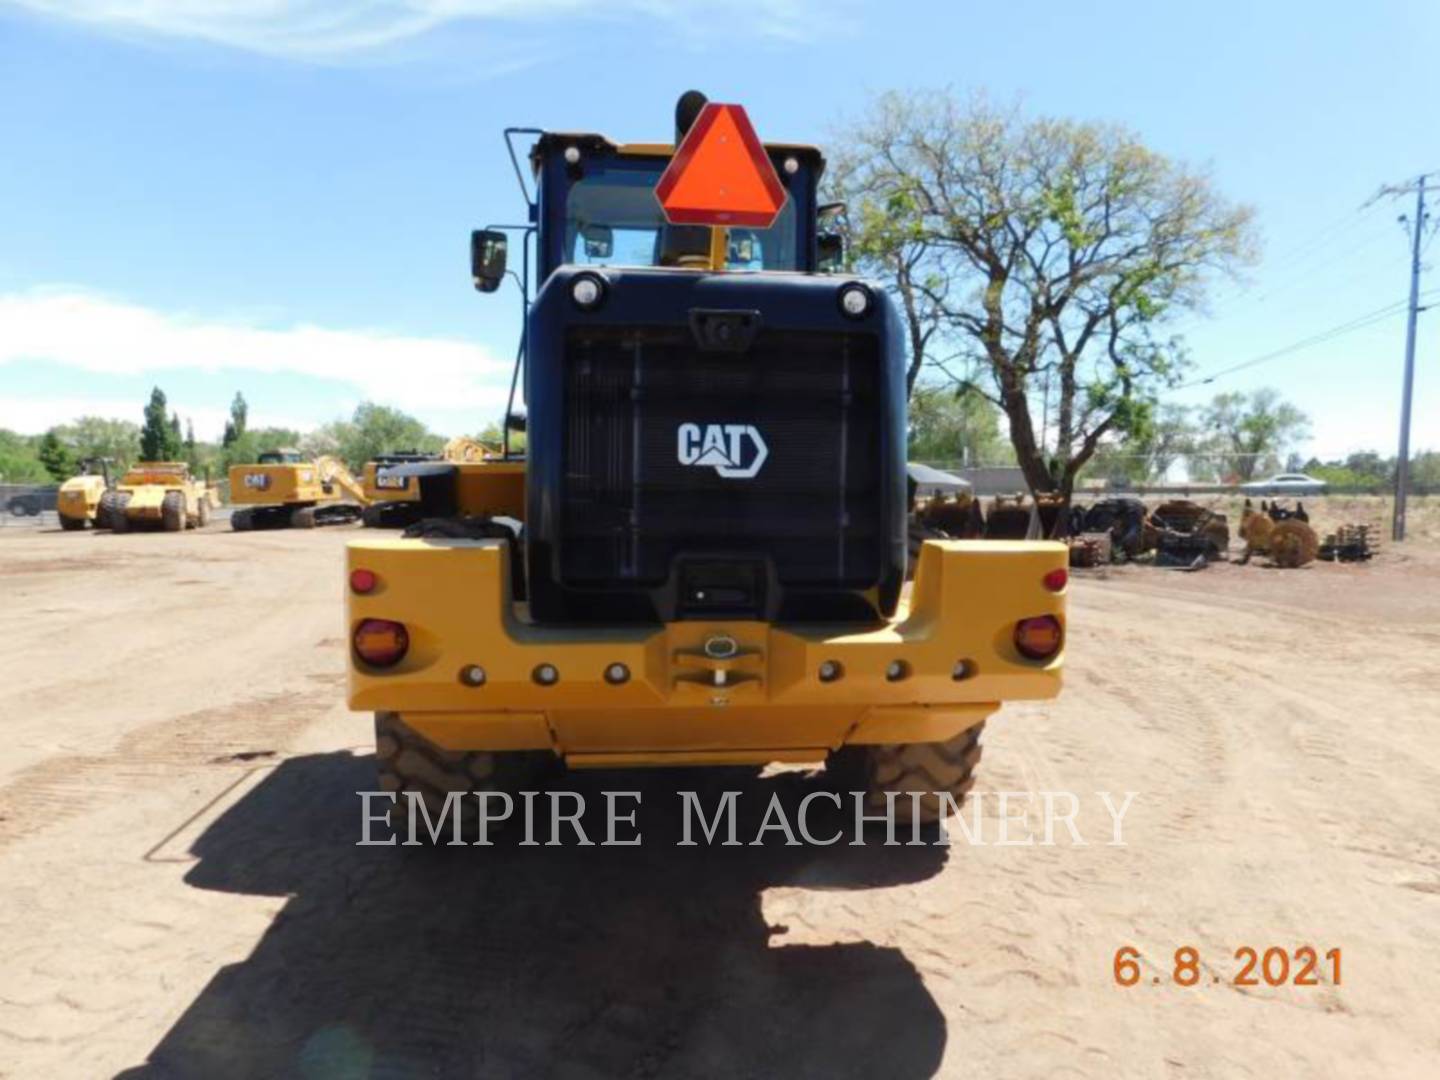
(1320, 237)
(1359, 322)
(1299, 256)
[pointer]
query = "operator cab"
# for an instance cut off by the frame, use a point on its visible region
(284, 456)
(598, 207)
(595, 205)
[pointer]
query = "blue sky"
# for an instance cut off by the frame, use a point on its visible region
(275, 196)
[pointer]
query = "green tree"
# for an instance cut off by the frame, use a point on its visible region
(18, 461)
(1157, 439)
(159, 440)
(102, 437)
(235, 426)
(955, 426)
(55, 456)
(1425, 471)
(1251, 431)
(372, 430)
(1030, 253)
(1372, 466)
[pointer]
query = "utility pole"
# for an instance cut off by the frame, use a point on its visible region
(1402, 462)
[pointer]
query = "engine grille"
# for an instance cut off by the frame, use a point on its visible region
(631, 507)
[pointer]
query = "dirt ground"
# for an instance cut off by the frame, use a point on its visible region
(180, 894)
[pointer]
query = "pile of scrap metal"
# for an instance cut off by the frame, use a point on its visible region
(1348, 543)
(1188, 535)
(958, 515)
(942, 507)
(943, 517)
(1013, 517)
(1091, 549)
(1124, 522)
(1279, 532)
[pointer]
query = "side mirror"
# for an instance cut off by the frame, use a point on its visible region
(487, 259)
(830, 253)
(599, 241)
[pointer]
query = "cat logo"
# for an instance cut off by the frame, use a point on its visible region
(735, 451)
(257, 481)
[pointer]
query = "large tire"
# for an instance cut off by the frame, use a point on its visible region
(70, 524)
(1293, 544)
(407, 761)
(119, 520)
(242, 520)
(926, 767)
(172, 512)
(105, 510)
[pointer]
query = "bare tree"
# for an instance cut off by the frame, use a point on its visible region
(1250, 431)
(1030, 252)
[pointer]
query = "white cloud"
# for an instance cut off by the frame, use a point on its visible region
(97, 334)
(328, 29)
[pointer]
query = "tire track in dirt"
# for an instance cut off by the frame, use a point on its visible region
(62, 787)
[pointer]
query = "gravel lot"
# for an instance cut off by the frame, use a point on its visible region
(182, 895)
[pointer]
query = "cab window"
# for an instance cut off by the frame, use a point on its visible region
(613, 219)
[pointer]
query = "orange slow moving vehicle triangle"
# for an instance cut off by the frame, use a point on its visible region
(721, 174)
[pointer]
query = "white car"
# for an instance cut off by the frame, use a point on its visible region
(1292, 483)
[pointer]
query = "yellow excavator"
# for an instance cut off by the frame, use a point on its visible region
(395, 499)
(285, 489)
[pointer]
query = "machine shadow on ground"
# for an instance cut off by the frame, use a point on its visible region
(544, 961)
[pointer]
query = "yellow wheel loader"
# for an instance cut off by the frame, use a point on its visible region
(159, 494)
(80, 499)
(285, 489)
(701, 558)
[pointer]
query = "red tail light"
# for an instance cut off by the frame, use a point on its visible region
(1056, 579)
(1038, 638)
(363, 581)
(381, 643)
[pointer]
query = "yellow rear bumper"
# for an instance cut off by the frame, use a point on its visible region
(679, 705)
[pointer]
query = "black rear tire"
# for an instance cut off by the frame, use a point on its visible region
(932, 768)
(105, 510)
(409, 762)
(70, 524)
(172, 512)
(119, 521)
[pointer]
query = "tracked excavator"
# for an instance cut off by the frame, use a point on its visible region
(285, 489)
(395, 498)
